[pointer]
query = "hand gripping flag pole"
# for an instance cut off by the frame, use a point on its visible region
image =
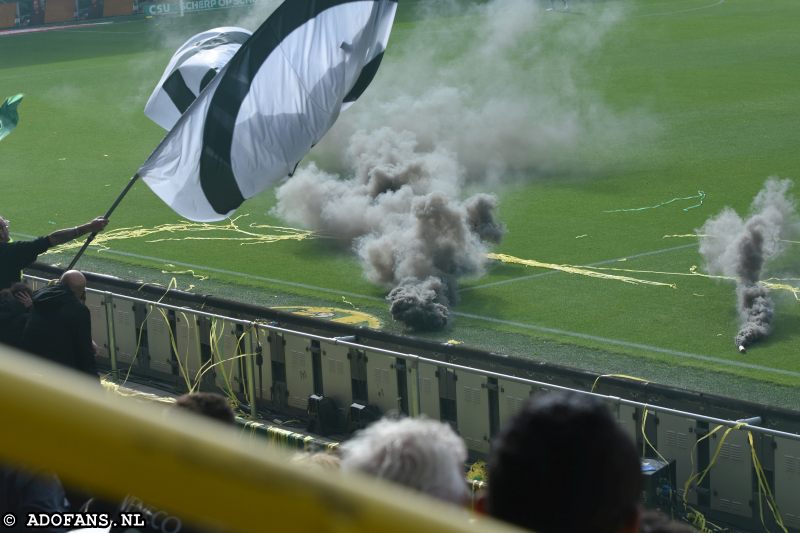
(111, 209)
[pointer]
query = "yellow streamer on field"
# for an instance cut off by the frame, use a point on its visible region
(684, 236)
(774, 284)
(783, 287)
(692, 272)
(696, 235)
(335, 314)
(196, 231)
(571, 269)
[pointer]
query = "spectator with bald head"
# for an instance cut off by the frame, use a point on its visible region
(60, 327)
(14, 256)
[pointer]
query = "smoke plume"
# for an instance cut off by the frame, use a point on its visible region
(402, 212)
(732, 246)
(468, 98)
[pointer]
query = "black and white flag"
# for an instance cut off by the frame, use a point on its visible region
(252, 123)
(191, 68)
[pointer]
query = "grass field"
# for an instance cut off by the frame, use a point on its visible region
(706, 96)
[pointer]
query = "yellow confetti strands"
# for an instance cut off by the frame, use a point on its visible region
(696, 235)
(581, 271)
(783, 287)
(195, 231)
(774, 284)
(190, 272)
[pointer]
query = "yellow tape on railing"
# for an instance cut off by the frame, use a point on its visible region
(763, 488)
(620, 376)
(193, 467)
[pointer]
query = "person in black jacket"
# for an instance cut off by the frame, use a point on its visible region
(37, 14)
(95, 9)
(15, 305)
(14, 256)
(60, 327)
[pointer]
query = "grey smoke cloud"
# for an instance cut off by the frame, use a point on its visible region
(471, 100)
(502, 85)
(402, 212)
(741, 248)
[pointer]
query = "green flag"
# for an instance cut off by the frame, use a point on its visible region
(8, 115)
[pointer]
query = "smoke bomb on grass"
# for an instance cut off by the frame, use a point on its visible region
(403, 214)
(421, 305)
(741, 248)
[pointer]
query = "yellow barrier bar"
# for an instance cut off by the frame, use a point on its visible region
(194, 467)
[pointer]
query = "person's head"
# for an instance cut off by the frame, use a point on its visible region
(563, 464)
(207, 404)
(319, 461)
(75, 282)
(4, 237)
(421, 454)
(657, 522)
(36, 5)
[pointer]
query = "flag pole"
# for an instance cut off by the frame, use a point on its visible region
(107, 215)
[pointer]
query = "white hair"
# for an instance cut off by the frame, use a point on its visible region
(421, 454)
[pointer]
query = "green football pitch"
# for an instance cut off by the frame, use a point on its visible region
(707, 95)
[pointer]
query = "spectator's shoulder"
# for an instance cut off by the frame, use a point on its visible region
(38, 245)
(82, 310)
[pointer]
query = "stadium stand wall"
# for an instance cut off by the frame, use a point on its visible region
(116, 8)
(8, 15)
(59, 10)
(725, 463)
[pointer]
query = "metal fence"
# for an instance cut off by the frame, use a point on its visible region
(732, 470)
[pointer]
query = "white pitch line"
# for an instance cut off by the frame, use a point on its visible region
(688, 10)
(532, 327)
(552, 272)
(42, 29)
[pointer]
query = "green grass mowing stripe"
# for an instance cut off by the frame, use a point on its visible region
(56, 72)
(635, 345)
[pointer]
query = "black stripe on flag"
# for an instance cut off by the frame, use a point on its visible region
(178, 92)
(207, 77)
(216, 172)
(364, 79)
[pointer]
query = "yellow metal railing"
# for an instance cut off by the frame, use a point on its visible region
(200, 470)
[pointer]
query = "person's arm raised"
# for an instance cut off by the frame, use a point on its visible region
(65, 235)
